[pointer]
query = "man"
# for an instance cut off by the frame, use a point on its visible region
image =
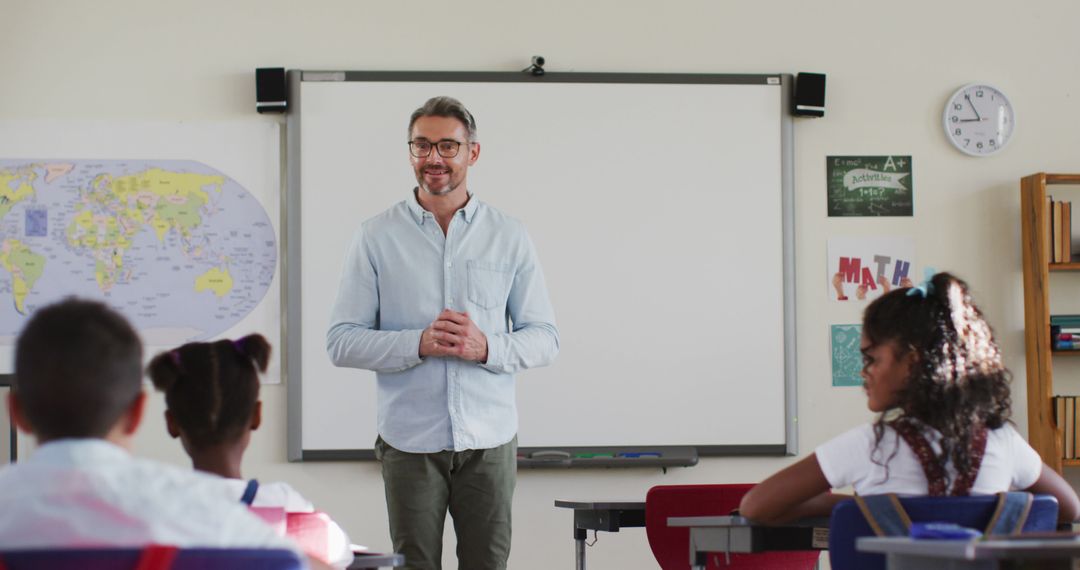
(78, 389)
(443, 297)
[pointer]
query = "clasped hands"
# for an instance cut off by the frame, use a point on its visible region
(454, 334)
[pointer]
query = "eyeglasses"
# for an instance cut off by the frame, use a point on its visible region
(447, 148)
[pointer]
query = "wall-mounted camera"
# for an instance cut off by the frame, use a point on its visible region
(536, 67)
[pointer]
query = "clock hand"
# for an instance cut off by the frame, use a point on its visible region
(977, 116)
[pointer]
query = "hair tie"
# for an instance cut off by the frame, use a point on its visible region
(926, 287)
(175, 355)
(239, 346)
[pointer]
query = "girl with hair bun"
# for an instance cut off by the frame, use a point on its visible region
(934, 374)
(212, 405)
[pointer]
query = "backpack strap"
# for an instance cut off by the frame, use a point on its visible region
(885, 514)
(249, 492)
(935, 474)
(1011, 513)
(964, 481)
(934, 471)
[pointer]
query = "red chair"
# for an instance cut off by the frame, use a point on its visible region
(671, 545)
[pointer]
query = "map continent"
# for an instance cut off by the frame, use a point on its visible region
(181, 249)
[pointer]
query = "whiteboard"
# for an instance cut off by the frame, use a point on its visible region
(661, 209)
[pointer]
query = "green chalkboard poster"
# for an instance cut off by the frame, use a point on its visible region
(869, 185)
(846, 356)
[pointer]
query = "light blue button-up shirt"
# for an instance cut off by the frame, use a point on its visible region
(399, 274)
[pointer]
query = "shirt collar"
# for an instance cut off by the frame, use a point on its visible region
(420, 214)
(78, 451)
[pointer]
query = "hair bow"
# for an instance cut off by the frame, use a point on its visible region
(926, 287)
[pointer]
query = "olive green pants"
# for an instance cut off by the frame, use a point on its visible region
(476, 486)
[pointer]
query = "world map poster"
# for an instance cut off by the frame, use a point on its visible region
(174, 226)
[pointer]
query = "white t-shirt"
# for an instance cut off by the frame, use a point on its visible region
(282, 495)
(1009, 463)
(89, 492)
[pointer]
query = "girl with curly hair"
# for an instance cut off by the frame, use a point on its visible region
(933, 373)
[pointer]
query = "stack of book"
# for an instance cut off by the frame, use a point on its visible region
(1065, 418)
(1065, 332)
(1060, 239)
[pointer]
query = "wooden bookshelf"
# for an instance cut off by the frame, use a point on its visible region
(1043, 434)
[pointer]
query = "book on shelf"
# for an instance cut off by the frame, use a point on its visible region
(1065, 321)
(1064, 336)
(1069, 445)
(1048, 215)
(1066, 231)
(1065, 415)
(1059, 230)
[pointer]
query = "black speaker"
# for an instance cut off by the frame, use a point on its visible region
(270, 90)
(809, 100)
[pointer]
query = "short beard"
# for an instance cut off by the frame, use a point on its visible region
(442, 192)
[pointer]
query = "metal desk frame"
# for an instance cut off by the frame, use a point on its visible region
(368, 561)
(608, 516)
(902, 553)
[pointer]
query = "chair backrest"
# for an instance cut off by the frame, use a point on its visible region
(312, 532)
(273, 516)
(847, 523)
(671, 545)
(151, 558)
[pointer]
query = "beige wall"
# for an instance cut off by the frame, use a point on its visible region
(890, 67)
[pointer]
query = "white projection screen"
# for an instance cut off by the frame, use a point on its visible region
(660, 206)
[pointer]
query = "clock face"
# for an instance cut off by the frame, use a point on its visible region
(979, 119)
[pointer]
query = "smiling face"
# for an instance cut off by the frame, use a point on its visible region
(886, 371)
(437, 175)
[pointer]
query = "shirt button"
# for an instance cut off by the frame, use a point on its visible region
(450, 300)
(449, 264)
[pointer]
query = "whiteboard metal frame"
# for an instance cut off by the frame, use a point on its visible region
(291, 232)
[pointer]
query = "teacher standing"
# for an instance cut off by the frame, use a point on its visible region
(444, 298)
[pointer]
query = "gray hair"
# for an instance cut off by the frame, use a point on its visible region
(444, 106)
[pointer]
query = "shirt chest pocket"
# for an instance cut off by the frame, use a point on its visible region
(489, 283)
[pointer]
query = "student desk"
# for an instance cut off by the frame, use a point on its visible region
(736, 534)
(608, 516)
(908, 554)
(369, 560)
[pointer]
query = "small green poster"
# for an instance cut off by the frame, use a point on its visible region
(846, 356)
(869, 185)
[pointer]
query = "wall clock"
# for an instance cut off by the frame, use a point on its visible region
(979, 120)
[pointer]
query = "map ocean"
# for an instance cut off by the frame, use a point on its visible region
(179, 248)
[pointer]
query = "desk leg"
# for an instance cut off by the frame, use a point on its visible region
(579, 548)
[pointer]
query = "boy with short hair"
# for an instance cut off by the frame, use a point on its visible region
(78, 389)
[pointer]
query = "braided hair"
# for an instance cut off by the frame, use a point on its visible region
(958, 384)
(211, 387)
